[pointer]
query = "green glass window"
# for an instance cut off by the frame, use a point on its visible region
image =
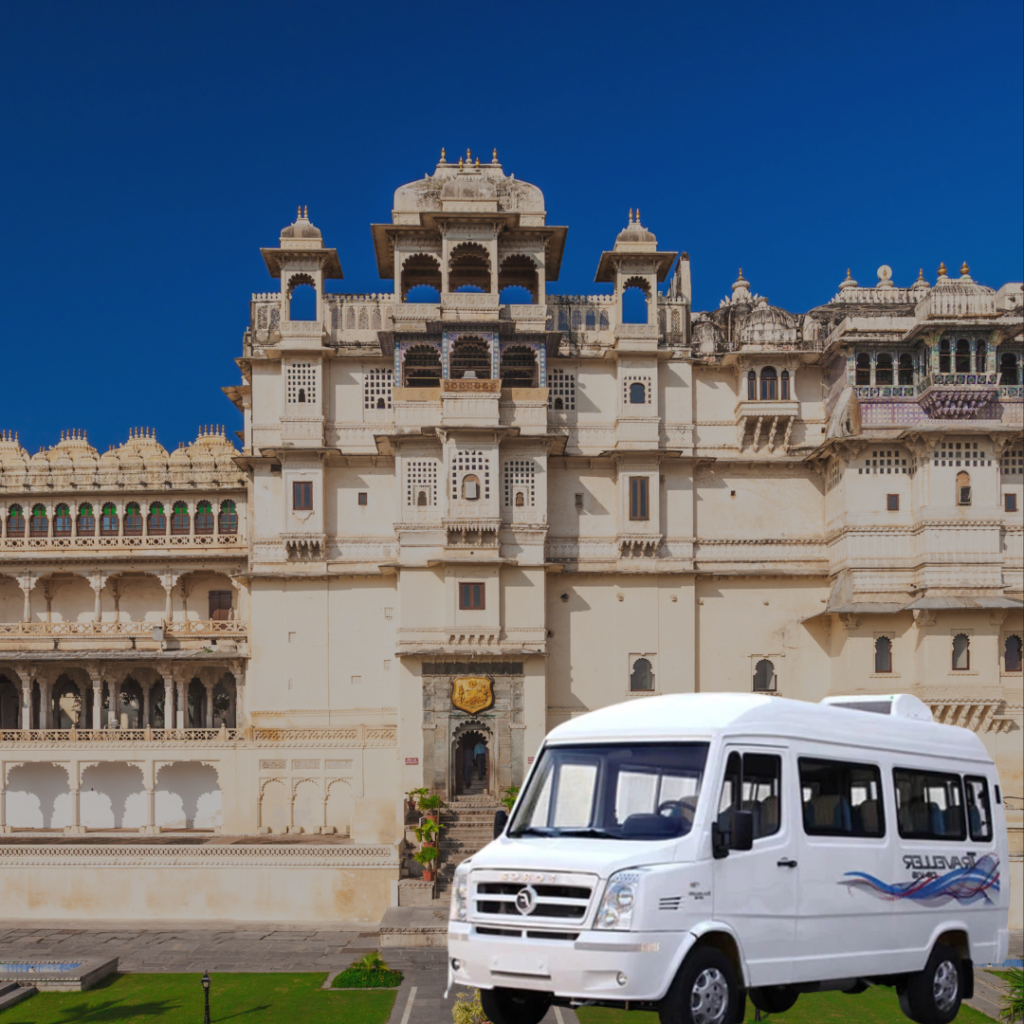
(157, 518)
(179, 518)
(62, 521)
(39, 524)
(109, 522)
(133, 519)
(228, 517)
(86, 520)
(204, 517)
(15, 521)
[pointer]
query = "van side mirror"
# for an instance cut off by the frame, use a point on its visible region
(500, 821)
(742, 835)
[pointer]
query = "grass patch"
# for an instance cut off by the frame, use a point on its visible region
(876, 1006)
(359, 977)
(178, 999)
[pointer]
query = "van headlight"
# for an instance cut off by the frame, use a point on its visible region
(459, 908)
(616, 910)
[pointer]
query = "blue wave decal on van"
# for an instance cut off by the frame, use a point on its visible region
(966, 885)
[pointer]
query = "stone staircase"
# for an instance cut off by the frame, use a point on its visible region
(988, 993)
(11, 993)
(468, 827)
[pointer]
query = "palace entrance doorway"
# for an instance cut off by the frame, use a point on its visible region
(471, 768)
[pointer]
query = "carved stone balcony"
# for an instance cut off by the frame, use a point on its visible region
(955, 396)
(525, 408)
(470, 403)
(301, 334)
(230, 543)
(469, 306)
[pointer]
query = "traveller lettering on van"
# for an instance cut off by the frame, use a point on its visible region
(968, 881)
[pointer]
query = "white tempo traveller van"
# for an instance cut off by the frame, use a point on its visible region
(679, 853)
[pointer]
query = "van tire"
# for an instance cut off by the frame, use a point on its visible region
(514, 1006)
(708, 979)
(933, 996)
(774, 998)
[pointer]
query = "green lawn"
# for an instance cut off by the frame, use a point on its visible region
(178, 999)
(876, 1006)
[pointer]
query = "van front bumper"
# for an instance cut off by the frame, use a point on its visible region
(599, 965)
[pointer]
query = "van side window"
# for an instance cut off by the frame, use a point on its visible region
(929, 805)
(752, 783)
(841, 799)
(979, 812)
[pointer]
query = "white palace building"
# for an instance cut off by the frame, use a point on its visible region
(466, 509)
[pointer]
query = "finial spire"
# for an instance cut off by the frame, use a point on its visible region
(298, 211)
(442, 156)
(638, 215)
(460, 163)
(469, 158)
(631, 215)
(942, 270)
(494, 155)
(965, 270)
(305, 212)
(920, 274)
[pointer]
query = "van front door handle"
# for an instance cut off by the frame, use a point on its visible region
(786, 863)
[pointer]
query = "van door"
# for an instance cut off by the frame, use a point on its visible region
(849, 926)
(755, 891)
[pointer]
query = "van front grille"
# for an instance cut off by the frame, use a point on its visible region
(558, 898)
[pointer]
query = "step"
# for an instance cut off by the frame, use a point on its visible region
(13, 993)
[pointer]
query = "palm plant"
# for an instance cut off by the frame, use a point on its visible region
(1012, 1010)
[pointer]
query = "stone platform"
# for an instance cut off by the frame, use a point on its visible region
(415, 927)
(47, 975)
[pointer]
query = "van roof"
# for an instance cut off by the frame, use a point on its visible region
(677, 716)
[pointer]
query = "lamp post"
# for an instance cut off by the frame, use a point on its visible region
(206, 995)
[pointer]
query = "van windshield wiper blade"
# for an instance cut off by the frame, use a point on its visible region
(531, 830)
(587, 833)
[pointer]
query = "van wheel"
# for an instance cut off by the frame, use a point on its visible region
(774, 998)
(932, 996)
(705, 991)
(513, 1006)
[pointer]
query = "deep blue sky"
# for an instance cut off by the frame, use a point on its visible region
(150, 150)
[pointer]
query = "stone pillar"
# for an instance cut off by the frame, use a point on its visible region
(208, 710)
(45, 702)
(26, 583)
(168, 607)
(147, 690)
(168, 702)
(97, 583)
(76, 803)
(97, 699)
(114, 713)
(26, 700)
(182, 720)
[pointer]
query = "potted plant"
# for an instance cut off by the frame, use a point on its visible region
(430, 806)
(427, 857)
(415, 796)
(509, 797)
(428, 832)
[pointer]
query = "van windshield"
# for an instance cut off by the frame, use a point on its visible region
(613, 791)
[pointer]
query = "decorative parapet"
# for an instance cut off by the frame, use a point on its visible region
(943, 303)
(204, 855)
(191, 628)
(135, 545)
(356, 736)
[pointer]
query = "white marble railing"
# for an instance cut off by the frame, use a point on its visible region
(204, 540)
(193, 628)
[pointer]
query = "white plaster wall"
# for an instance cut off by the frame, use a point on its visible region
(12, 601)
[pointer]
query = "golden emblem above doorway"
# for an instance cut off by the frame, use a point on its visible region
(472, 694)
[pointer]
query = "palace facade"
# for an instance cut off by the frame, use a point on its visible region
(467, 509)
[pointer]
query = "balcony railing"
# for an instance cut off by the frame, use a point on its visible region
(191, 628)
(207, 540)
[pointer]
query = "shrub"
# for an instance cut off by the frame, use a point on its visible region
(368, 972)
(469, 1011)
(1013, 1000)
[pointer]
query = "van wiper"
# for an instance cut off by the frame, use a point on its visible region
(588, 833)
(531, 830)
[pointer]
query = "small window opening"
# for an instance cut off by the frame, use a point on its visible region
(302, 395)
(769, 384)
(751, 386)
(520, 499)
(944, 356)
(471, 597)
(578, 501)
(302, 496)
(961, 652)
(637, 394)
(963, 356)
(470, 487)
(362, 498)
(892, 502)
(1009, 502)
(906, 369)
(1009, 372)
(883, 369)
(883, 654)
(1012, 654)
(980, 357)
(765, 679)
(638, 499)
(421, 499)
(785, 385)
(642, 676)
(963, 488)
(422, 365)
(634, 305)
(559, 404)
(863, 370)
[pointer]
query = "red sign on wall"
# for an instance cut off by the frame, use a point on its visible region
(412, 760)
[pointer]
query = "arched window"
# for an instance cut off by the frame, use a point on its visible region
(635, 302)
(963, 356)
(769, 384)
(470, 359)
(765, 680)
(228, 517)
(421, 499)
(642, 676)
(563, 319)
(204, 517)
(520, 499)
(577, 319)
(906, 370)
(883, 654)
(980, 356)
(862, 374)
(179, 518)
(963, 488)
(603, 320)
(591, 320)
(301, 298)
(469, 268)
(518, 367)
(381, 404)
(785, 386)
(422, 365)
(157, 519)
(132, 520)
(470, 487)
(637, 394)
(883, 368)
(86, 521)
(751, 386)
(1009, 372)
(1012, 654)
(961, 652)
(559, 404)
(421, 279)
(945, 359)
(62, 521)
(15, 521)
(39, 524)
(110, 525)
(302, 395)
